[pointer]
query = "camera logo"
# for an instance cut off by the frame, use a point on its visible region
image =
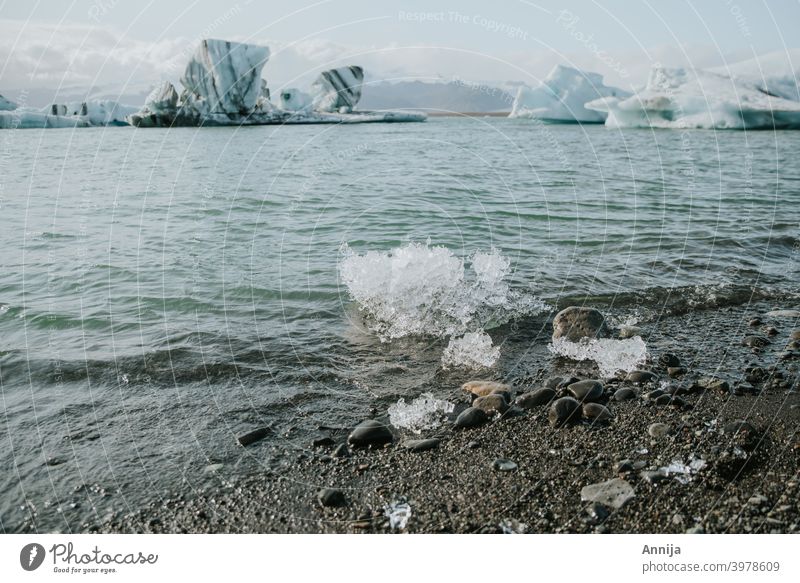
(31, 556)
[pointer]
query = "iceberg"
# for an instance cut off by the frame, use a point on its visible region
(681, 98)
(775, 73)
(76, 114)
(561, 97)
(25, 118)
(6, 104)
(338, 89)
(222, 85)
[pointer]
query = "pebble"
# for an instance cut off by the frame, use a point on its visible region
(575, 322)
(795, 335)
(331, 497)
(341, 451)
(755, 341)
(756, 322)
(624, 394)
(613, 493)
(653, 395)
(640, 377)
(653, 476)
(757, 500)
(471, 417)
(322, 441)
(422, 444)
(623, 466)
(484, 388)
(536, 398)
(597, 412)
(563, 410)
(370, 432)
(658, 430)
(714, 384)
(588, 390)
(771, 331)
(626, 331)
(504, 465)
(553, 382)
(491, 404)
(743, 433)
(675, 371)
(253, 436)
(669, 360)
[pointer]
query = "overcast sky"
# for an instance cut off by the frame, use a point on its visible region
(83, 43)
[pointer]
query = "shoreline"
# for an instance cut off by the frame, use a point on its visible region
(749, 480)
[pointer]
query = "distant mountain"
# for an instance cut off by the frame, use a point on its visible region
(454, 96)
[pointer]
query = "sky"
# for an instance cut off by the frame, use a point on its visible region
(133, 45)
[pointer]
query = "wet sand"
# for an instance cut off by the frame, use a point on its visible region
(749, 482)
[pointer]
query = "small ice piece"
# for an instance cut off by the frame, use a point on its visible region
(613, 493)
(683, 472)
(473, 350)
(424, 412)
(513, 526)
(398, 513)
(611, 355)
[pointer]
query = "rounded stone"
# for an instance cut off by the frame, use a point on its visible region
(639, 377)
(755, 341)
(504, 465)
(624, 394)
(575, 322)
(483, 388)
(658, 430)
(795, 335)
(563, 410)
(471, 417)
(675, 371)
(597, 412)
(535, 398)
(668, 359)
(331, 497)
(421, 444)
(491, 404)
(370, 432)
(588, 390)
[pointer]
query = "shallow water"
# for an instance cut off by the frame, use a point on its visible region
(166, 290)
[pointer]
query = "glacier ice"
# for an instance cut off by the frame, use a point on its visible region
(26, 118)
(560, 97)
(472, 350)
(609, 354)
(292, 99)
(7, 104)
(683, 98)
(776, 73)
(76, 114)
(420, 289)
(398, 513)
(338, 89)
(162, 99)
(424, 412)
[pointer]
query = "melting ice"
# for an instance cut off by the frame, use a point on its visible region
(424, 412)
(472, 350)
(610, 355)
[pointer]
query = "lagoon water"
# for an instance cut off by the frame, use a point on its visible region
(163, 291)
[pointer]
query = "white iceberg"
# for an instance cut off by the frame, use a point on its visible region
(295, 100)
(681, 98)
(7, 104)
(76, 114)
(338, 89)
(775, 73)
(561, 97)
(26, 118)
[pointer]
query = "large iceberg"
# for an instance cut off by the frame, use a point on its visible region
(775, 73)
(561, 97)
(76, 114)
(6, 105)
(683, 98)
(223, 86)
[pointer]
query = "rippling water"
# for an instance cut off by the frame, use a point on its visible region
(163, 291)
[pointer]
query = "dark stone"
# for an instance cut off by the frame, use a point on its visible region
(755, 375)
(668, 360)
(623, 466)
(743, 433)
(536, 398)
(563, 410)
(589, 390)
(653, 476)
(370, 432)
(755, 341)
(331, 497)
(322, 441)
(675, 371)
(771, 331)
(553, 382)
(421, 444)
(597, 412)
(655, 395)
(253, 436)
(756, 322)
(471, 417)
(640, 377)
(574, 323)
(624, 394)
(662, 400)
(714, 384)
(341, 451)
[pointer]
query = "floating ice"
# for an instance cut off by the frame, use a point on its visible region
(398, 513)
(681, 98)
(295, 100)
(424, 412)
(419, 289)
(611, 355)
(338, 89)
(775, 73)
(472, 350)
(560, 97)
(6, 104)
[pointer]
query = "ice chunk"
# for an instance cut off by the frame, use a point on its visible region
(776, 73)
(472, 350)
(398, 513)
(6, 104)
(560, 97)
(338, 89)
(613, 493)
(295, 100)
(424, 412)
(681, 98)
(683, 473)
(24, 118)
(611, 355)
(224, 77)
(162, 99)
(419, 289)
